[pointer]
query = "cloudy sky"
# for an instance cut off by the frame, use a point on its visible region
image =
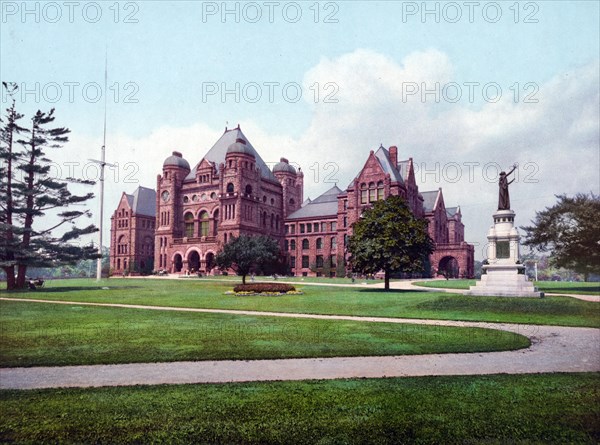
(464, 88)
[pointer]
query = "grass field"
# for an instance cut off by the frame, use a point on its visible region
(562, 311)
(37, 334)
(556, 287)
(547, 408)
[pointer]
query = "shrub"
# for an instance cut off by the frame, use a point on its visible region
(264, 287)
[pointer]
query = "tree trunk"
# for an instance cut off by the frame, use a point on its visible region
(10, 277)
(244, 279)
(22, 268)
(387, 280)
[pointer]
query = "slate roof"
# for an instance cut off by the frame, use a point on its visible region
(142, 201)
(429, 199)
(383, 156)
(217, 153)
(403, 168)
(324, 205)
(451, 211)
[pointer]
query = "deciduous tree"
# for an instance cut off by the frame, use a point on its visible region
(389, 238)
(245, 252)
(570, 230)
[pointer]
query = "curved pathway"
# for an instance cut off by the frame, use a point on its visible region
(553, 349)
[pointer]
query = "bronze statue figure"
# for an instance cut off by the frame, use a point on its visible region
(503, 197)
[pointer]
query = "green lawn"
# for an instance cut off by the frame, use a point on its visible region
(563, 311)
(556, 287)
(546, 408)
(37, 334)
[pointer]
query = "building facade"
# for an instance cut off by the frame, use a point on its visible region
(132, 229)
(231, 191)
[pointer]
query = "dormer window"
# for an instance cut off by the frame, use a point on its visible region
(229, 188)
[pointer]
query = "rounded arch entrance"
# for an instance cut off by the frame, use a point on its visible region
(193, 261)
(448, 267)
(177, 262)
(210, 261)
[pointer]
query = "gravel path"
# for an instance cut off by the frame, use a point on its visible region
(553, 349)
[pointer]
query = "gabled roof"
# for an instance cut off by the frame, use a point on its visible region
(218, 151)
(430, 200)
(142, 201)
(451, 211)
(383, 156)
(403, 168)
(324, 205)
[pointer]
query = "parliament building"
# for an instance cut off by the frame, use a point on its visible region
(180, 227)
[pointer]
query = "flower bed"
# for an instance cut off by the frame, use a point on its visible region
(264, 287)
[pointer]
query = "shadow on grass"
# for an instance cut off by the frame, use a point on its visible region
(48, 290)
(394, 291)
(566, 290)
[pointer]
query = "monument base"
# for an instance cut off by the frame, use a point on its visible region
(504, 280)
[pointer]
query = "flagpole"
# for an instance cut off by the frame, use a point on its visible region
(102, 164)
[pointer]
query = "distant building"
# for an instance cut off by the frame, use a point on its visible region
(132, 229)
(231, 191)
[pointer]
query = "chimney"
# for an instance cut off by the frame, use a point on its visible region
(394, 155)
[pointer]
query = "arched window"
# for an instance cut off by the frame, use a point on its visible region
(293, 245)
(230, 188)
(216, 222)
(204, 223)
(305, 244)
(122, 245)
(276, 222)
(225, 238)
(286, 245)
(372, 192)
(319, 243)
(292, 202)
(264, 219)
(248, 189)
(189, 225)
(333, 243)
(380, 190)
(363, 193)
(272, 220)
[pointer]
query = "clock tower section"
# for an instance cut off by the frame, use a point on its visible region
(169, 222)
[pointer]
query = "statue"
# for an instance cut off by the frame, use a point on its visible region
(503, 197)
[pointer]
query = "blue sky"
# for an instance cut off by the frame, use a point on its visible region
(372, 53)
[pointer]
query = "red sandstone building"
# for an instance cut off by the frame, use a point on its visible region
(231, 191)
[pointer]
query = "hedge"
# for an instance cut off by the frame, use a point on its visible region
(264, 287)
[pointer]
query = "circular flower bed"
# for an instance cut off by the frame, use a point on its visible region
(266, 289)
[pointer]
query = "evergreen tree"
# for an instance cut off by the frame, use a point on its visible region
(388, 237)
(9, 158)
(571, 231)
(25, 240)
(246, 252)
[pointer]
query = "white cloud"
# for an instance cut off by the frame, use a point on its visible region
(558, 136)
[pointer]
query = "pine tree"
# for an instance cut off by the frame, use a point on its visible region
(25, 242)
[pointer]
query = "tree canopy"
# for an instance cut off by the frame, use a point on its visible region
(28, 192)
(570, 230)
(246, 252)
(389, 237)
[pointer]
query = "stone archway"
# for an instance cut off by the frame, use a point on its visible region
(177, 263)
(448, 267)
(210, 261)
(193, 261)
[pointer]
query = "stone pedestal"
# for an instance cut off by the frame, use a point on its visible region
(504, 275)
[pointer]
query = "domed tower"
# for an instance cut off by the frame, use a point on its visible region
(240, 187)
(168, 202)
(292, 183)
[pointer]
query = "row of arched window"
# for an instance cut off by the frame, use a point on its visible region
(203, 226)
(291, 244)
(372, 192)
